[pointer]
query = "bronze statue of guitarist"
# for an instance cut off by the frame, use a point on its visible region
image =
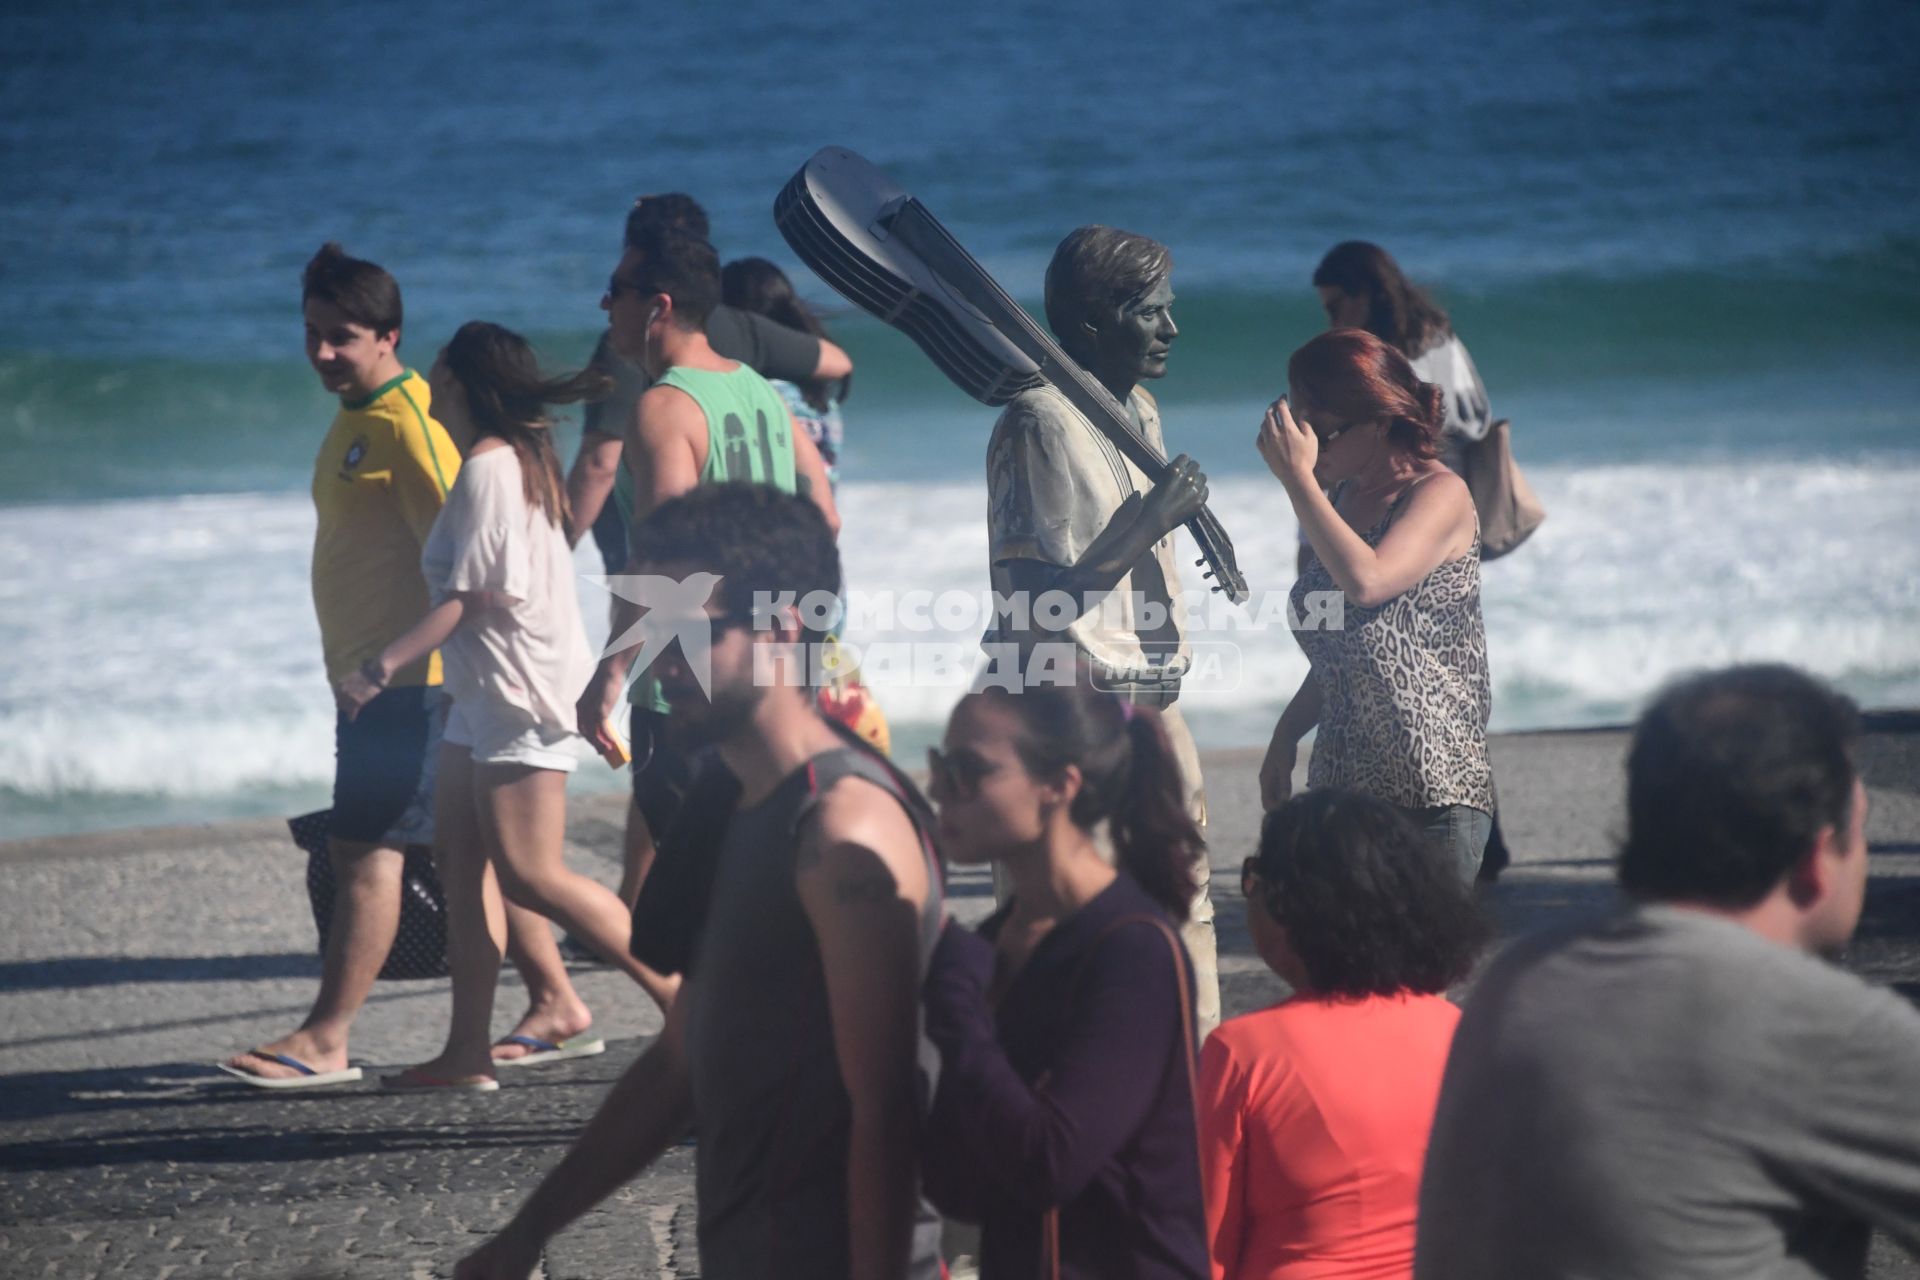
(1079, 538)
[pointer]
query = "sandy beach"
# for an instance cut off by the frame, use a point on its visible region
(129, 961)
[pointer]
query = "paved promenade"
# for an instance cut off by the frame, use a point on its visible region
(131, 961)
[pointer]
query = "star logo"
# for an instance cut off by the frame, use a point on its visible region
(675, 610)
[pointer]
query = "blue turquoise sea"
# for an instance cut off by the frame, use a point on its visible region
(1680, 240)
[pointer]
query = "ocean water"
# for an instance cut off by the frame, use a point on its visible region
(1680, 242)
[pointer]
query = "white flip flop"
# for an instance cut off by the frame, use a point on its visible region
(545, 1051)
(308, 1079)
(413, 1080)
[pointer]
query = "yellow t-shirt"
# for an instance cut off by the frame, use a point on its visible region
(381, 477)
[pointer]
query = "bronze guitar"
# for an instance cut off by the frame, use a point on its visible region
(881, 248)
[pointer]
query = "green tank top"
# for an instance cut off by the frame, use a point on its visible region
(749, 440)
(749, 432)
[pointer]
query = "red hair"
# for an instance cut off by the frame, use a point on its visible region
(1359, 378)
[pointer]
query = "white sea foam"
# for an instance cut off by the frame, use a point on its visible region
(167, 646)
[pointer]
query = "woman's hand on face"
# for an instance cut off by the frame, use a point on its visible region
(1288, 445)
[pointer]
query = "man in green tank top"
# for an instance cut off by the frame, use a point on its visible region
(705, 420)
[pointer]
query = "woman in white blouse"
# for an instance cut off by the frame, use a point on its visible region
(506, 618)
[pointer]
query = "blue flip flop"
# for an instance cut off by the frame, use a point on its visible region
(307, 1079)
(544, 1051)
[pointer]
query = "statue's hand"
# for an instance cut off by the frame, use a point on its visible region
(1176, 499)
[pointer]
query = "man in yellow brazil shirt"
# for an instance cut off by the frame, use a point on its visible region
(381, 477)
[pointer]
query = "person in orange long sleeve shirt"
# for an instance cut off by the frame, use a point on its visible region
(1314, 1113)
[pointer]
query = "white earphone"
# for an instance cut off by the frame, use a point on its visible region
(646, 337)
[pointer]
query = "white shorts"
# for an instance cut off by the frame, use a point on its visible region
(505, 735)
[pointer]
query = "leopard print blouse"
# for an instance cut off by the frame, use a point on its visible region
(1404, 687)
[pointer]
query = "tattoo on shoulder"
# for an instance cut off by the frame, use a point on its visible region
(865, 888)
(803, 486)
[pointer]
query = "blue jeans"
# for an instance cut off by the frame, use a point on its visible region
(1460, 833)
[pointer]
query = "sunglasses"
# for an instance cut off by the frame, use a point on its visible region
(1327, 438)
(616, 287)
(665, 627)
(1249, 873)
(958, 775)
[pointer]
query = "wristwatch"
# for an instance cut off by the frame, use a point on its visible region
(371, 673)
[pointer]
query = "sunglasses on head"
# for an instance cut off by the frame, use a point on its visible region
(958, 775)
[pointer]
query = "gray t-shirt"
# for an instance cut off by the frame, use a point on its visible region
(1667, 1095)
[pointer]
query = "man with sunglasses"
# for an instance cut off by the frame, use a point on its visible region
(704, 420)
(598, 492)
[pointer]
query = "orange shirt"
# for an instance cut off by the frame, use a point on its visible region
(1313, 1125)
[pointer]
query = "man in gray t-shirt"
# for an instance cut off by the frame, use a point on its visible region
(1690, 1089)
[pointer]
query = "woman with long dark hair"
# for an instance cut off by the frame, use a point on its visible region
(758, 286)
(1399, 687)
(1063, 1123)
(506, 619)
(1314, 1113)
(1362, 287)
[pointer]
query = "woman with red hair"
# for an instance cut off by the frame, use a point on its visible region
(1398, 687)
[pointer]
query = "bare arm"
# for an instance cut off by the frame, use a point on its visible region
(1276, 769)
(863, 882)
(412, 645)
(834, 365)
(661, 453)
(1436, 525)
(1302, 713)
(595, 468)
(810, 471)
(648, 1108)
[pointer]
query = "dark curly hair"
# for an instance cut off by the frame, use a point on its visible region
(1730, 778)
(1130, 779)
(764, 544)
(1369, 906)
(670, 211)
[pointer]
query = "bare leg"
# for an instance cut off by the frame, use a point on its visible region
(476, 923)
(555, 1011)
(366, 915)
(639, 849)
(530, 810)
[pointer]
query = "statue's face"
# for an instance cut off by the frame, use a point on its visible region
(1139, 338)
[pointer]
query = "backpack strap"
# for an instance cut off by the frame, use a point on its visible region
(858, 759)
